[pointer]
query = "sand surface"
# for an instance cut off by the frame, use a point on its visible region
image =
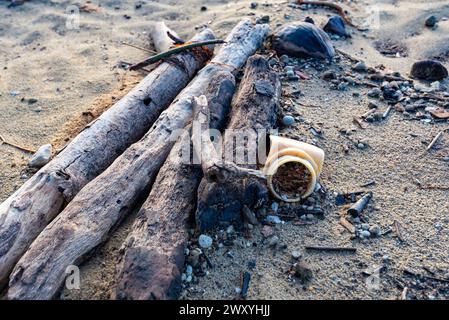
(71, 74)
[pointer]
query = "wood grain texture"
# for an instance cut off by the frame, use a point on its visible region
(254, 111)
(26, 213)
(152, 256)
(103, 203)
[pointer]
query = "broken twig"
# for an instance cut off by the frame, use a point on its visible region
(4, 141)
(336, 249)
(173, 51)
(437, 137)
(348, 225)
(397, 229)
(334, 6)
(139, 48)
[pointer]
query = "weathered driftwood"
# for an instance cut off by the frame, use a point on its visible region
(212, 164)
(253, 112)
(152, 258)
(102, 203)
(26, 213)
(158, 33)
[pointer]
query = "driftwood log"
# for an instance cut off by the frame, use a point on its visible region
(26, 213)
(253, 115)
(102, 203)
(152, 257)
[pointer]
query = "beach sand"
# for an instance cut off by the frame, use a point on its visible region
(71, 74)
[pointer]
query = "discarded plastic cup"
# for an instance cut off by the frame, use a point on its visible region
(292, 168)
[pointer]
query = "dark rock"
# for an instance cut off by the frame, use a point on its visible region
(336, 25)
(263, 19)
(303, 271)
(254, 5)
(303, 39)
(203, 8)
(431, 21)
(391, 94)
(329, 75)
(360, 66)
(309, 20)
(374, 93)
(428, 70)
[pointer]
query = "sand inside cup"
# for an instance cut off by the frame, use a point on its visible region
(291, 180)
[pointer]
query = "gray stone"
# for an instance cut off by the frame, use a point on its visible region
(273, 241)
(360, 66)
(41, 157)
(365, 234)
(431, 21)
(374, 93)
(296, 254)
(365, 226)
(375, 230)
(205, 241)
(288, 120)
(342, 86)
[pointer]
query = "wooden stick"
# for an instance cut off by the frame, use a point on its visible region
(347, 55)
(214, 168)
(152, 258)
(398, 231)
(104, 202)
(387, 112)
(139, 48)
(334, 6)
(404, 293)
(253, 110)
(336, 249)
(26, 213)
(175, 39)
(4, 141)
(173, 51)
(349, 226)
(437, 137)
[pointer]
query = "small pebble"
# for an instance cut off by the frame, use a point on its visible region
(342, 86)
(373, 105)
(41, 157)
(273, 219)
(375, 230)
(288, 120)
(365, 226)
(431, 21)
(275, 206)
(374, 93)
(194, 257)
(189, 269)
(303, 271)
(254, 5)
(296, 254)
(361, 146)
(360, 66)
(365, 234)
(205, 241)
(273, 241)
(329, 75)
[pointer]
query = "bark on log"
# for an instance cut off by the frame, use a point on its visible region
(152, 256)
(253, 115)
(102, 203)
(26, 213)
